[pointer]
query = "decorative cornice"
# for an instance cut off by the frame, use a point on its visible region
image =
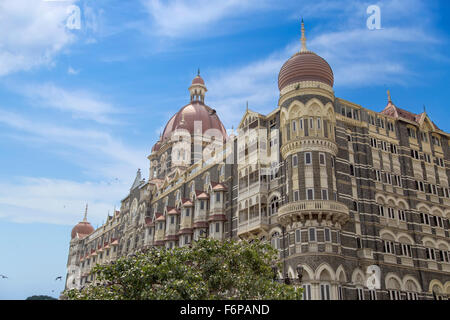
(303, 144)
(304, 88)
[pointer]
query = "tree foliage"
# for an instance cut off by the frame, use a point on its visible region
(208, 269)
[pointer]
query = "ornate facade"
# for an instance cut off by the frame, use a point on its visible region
(335, 187)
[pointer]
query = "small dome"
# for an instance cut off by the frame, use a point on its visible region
(198, 80)
(305, 66)
(82, 228)
(156, 147)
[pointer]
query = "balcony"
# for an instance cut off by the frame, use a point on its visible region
(313, 209)
(253, 225)
(254, 188)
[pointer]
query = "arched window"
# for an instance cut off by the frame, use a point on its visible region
(394, 287)
(412, 290)
(274, 203)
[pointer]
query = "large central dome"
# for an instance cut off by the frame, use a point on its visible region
(195, 111)
(305, 66)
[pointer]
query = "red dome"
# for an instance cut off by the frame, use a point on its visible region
(305, 66)
(198, 80)
(82, 228)
(195, 111)
(157, 146)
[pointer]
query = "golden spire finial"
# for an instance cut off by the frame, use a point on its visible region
(85, 213)
(303, 38)
(389, 96)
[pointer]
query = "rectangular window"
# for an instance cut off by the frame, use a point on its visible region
(312, 234)
(296, 195)
(324, 194)
(308, 158)
(439, 222)
(172, 219)
(217, 227)
(430, 254)
(388, 247)
(325, 291)
(406, 250)
(411, 132)
(309, 194)
(294, 125)
(311, 123)
(322, 159)
(394, 295)
(187, 212)
(298, 236)
(391, 213)
(301, 124)
(327, 235)
(218, 197)
(378, 175)
(294, 161)
(202, 205)
(402, 215)
(318, 123)
(360, 292)
(306, 292)
(340, 293)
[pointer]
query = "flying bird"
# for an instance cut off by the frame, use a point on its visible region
(3, 276)
(58, 278)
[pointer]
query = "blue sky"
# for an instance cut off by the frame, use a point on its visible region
(80, 109)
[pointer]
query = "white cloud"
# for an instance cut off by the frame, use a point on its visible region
(178, 18)
(31, 33)
(72, 71)
(82, 104)
(110, 163)
(27, 200)
(93, 143)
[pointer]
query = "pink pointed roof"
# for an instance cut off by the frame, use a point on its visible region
(393, 111)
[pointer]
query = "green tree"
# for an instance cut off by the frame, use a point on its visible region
(208, 269)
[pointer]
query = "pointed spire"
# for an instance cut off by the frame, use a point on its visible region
(424, 109)
(389, 96)
(85, 213)
(303, 39)
(137, 180)
(247, 106)
(198, 72)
